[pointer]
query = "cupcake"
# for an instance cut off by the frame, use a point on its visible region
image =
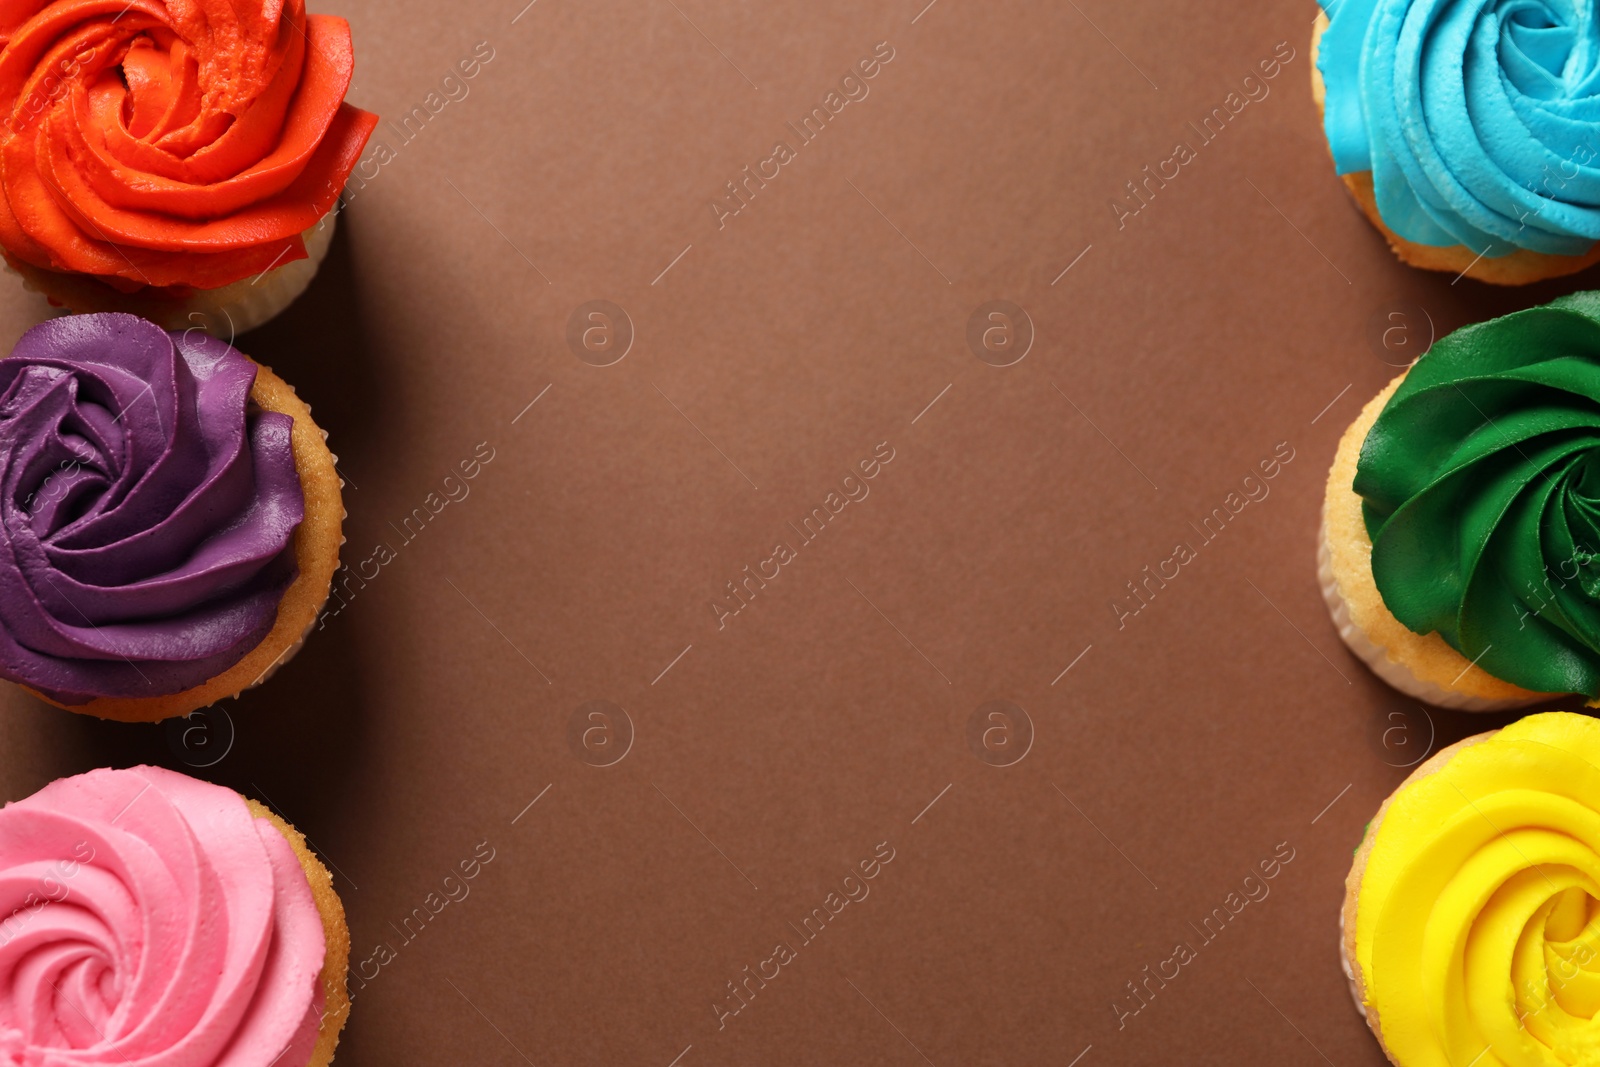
(157, 919)
(171, 518)
(1471, 921)
(177, 161)
(1469, 134)
(1460, 545)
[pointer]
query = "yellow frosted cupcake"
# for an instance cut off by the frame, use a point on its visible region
(1471, 919)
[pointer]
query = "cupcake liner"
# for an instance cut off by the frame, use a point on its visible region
(1518, 268)
(1378, 659)
(1349, 968)
(334, 976)
(249, 302)
(224, 313)
(1422, 666)
(317, 545)
(294, 649)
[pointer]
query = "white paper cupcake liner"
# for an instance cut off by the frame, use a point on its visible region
(1349, 968)
(1377, 658)
(224, 313)
(249, 302)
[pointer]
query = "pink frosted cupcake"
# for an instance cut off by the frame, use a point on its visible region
(154, 919)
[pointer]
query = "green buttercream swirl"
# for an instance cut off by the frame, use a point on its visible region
(1481, 490)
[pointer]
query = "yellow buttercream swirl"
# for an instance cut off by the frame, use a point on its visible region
(1478, 919)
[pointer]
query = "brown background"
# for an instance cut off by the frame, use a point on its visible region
(1233, 313)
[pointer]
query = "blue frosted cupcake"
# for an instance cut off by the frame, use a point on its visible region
(1468, 130)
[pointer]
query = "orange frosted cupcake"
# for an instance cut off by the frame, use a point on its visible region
(179, 161)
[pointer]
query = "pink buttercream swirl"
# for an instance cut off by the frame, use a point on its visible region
(152, 921)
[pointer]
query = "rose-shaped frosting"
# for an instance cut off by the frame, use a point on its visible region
(148, 510)
(148, 920)
(1477, 118)
(1478, 914)
(171, 142)
(1480, 481)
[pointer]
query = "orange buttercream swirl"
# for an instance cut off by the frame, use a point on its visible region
(184, 143)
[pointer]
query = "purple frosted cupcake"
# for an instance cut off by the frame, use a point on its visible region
(170, 517)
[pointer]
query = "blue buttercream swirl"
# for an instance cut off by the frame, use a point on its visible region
(1479, 119)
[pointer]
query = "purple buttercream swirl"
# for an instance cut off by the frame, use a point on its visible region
(148, 509)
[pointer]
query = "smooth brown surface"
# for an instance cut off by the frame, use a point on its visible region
(1235, 309)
